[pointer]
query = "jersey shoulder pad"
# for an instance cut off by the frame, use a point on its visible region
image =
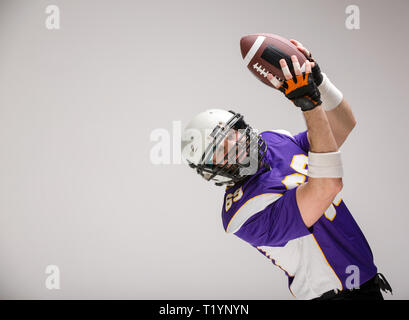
(242, 203)
(282, 131)
(277, 137)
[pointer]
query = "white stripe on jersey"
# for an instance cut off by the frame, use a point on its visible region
(250, 208)
(303, 259)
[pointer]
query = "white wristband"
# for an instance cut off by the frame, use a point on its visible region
(331, 97)
(325, 165)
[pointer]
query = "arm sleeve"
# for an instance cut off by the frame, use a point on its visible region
(277, 224)
(302, 140)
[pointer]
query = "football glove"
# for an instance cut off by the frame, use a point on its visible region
(302, 91)
(316, 72)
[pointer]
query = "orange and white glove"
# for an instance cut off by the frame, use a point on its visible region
(301, 90)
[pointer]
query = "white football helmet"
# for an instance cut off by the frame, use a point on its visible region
(207, 132)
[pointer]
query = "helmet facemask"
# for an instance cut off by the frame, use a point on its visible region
(234, 153)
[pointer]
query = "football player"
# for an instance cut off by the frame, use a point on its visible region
(283, 192)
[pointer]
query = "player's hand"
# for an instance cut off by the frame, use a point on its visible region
(301, 90)
(316, 71)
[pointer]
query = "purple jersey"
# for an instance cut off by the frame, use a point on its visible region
(263, 211)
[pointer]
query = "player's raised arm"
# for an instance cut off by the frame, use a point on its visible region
(324, 167)
(339, 113)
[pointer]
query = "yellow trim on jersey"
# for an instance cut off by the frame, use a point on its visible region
(340, 282)
(338, 203)
(227, 228)
(293, 159)
(325, 213)
(274, 262)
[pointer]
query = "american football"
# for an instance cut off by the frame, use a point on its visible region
(262, 52)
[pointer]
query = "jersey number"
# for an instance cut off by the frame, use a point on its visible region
(233, 197)
(299, 163)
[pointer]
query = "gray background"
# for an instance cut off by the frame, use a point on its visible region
(78, 106)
